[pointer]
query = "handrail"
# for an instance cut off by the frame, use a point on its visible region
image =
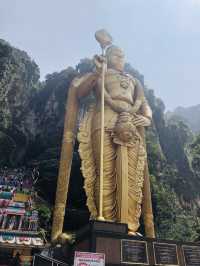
(59, 263)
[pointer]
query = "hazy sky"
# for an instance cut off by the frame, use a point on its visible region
(161, 38)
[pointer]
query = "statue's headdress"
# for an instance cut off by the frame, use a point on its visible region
(113, 49)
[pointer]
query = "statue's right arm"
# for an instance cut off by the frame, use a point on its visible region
(85, 84)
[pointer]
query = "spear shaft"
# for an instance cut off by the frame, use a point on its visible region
(101, 181)
(105, 39)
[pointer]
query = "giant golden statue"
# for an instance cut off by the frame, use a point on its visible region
(112, 146)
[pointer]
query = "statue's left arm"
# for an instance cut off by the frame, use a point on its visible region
(144, 119)
(143, 115)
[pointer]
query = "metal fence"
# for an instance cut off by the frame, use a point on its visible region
(39, 260)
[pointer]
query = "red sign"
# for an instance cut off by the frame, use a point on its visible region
(89, 259)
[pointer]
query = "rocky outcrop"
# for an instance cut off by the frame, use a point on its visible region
(189, 115)
(19, 81)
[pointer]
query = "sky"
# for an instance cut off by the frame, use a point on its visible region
(161, 38)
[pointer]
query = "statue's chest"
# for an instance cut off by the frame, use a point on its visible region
(120, 81)
(118, 84)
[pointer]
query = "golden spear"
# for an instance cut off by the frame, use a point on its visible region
(104, 38)
(70, 122)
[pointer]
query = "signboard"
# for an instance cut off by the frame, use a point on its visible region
(165, 254)
(134, 252)
(191, 255)
(89, 259)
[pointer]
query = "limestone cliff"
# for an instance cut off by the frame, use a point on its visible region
(19, 81)
(189, 115)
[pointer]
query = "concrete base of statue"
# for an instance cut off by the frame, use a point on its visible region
(120, 248)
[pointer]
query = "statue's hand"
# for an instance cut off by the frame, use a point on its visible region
(99, 60)
(141, 121)
(115, 105)
(123, 109)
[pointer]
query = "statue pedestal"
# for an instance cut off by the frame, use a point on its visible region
(122, 249)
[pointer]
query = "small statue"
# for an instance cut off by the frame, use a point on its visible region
(12, 222)
(126, 189)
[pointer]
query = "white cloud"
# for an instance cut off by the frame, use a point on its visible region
(195, 2)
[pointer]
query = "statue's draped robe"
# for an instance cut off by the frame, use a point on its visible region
(123, 173)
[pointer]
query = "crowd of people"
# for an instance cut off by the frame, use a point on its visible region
(18, 178)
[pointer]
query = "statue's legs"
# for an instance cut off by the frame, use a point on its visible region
(129, 190)
(109, 181)
(113, 182)
(136, 163)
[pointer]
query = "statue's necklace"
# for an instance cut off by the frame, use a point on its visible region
(124, 81)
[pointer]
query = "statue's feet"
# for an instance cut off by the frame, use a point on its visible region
(64, 238)
(131, 233)
(100, 218)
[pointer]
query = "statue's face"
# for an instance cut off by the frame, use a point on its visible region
(116, 60)
(126, 136)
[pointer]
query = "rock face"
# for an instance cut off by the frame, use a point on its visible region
(189, 115)
(19, 81)
(31, 126)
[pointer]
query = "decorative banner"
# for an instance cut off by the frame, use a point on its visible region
(37, 241)
(7, 239)
(89, 259)
(23, 240)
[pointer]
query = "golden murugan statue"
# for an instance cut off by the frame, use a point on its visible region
(125, 188)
